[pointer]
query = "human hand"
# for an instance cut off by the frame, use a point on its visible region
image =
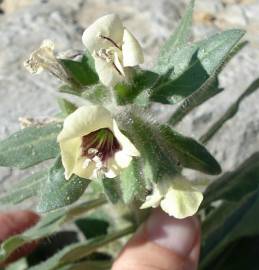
(162, 243)
(14, 223)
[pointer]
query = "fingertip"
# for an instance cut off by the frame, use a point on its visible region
(15, 222)
(164, 243)
(177, 235)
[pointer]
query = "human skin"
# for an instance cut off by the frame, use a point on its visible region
(161, 243)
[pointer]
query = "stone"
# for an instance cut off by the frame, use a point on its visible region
(14, 5)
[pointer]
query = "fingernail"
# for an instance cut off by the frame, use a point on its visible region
(178, 235)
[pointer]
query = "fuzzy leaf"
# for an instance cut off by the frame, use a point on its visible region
(245, 252)
(68, 89)
(30, 146)
(112, 189)
(233, 221)
(188, 152)
(145, 135)
(208, 90)
(132, 182)
(92, 227)
(180, 37)
(96, 94)
(75, 252)
(48, 224)
(66, 106)
(81, 73)
(233, 186)
(183, 72)
(21, 264)
(52, 244)
(58, 192)
(137, 90)
(27, 188)
(232, 110)
(88, 264)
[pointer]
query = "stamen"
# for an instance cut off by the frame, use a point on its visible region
(86, 163)
(99, 146)
(98, 161)
(92, 151)
(117, 69)
(104, 55)
(111, 41)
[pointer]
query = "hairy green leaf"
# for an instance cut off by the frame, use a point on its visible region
(88, 264)
(68, 89)
(30, 146)
(180, 37)
(145, 134)
(245, 252)
(228, 223)
(66, 106)
(81, 72)
(97, 94)
(112, 189)
(185, 71)
(51, 245)
(207, 90)
(137, 90)
(132, 182)
(27, 188)
(75, 252)
(57, 191)
(188, 152)
(48, 224)
(233, 109)
(92, 227)
(21, 264)
(233, 186)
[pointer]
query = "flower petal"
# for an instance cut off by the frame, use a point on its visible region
(41, 58)
(122, 159)
(88, 172)
(131, 50)
(109, 26)
(107, 72)
(152, 200)
(113, 169)
(72, 160)
(181, 200)
(69, 155)
(85, 120)
(127, 146)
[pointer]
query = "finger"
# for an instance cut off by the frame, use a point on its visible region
(162, 243)
(15, 223)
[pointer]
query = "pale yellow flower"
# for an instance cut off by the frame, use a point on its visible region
(92, 145)
(177, 197)
(114, 49)
(40, 58)
(44, 58)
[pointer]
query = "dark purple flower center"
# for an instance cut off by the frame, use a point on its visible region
(101, 143)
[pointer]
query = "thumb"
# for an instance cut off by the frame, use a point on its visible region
(162, 243)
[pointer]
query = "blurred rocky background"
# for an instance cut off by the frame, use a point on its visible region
(25, 23)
